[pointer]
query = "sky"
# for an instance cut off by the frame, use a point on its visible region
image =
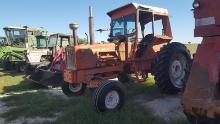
(56, 15)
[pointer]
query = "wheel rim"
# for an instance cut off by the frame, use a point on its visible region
(112, 99)
(177, 69)
(75, 87)
(22, 68)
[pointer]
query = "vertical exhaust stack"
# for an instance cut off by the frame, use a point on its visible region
(91, 26)
(74, 27)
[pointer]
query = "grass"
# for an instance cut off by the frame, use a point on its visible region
(75, 110)
(192, 47)
(11, 81)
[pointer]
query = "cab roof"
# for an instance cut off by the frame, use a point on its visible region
(155, 10)
(61, 35)
(14, 27)
(23, 28)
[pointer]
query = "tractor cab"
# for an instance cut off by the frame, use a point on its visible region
(41, 42)
(16, 36)
(58, 41)
(22, 37)
(137, 26)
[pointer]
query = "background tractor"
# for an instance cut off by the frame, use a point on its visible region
(21, 40)
(201, 100)
(49, 72)
(136, 46)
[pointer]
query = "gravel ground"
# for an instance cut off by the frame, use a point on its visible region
(167, 107)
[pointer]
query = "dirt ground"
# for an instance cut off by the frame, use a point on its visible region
(166, 107)
(4, 108)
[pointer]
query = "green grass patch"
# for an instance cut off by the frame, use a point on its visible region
(77, 110)
(11, 81)
(192, 48)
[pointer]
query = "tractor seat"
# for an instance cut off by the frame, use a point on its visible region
(148, 38)
(142, 46)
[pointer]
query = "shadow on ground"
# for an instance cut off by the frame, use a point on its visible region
(9, 73)
(24, 85)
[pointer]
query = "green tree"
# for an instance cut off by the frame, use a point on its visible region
(82, 41)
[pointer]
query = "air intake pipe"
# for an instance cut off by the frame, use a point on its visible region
(74, 27)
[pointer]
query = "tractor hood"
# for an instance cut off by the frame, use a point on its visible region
(88, 56)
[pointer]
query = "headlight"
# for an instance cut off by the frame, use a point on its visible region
(196, 5)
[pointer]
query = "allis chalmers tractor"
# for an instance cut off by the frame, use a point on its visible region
(136, 47)
(50, 71)
(21, 40)
(201, 100)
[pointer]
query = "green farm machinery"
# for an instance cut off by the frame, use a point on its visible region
(22, 44)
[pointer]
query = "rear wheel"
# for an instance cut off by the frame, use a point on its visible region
(73, 89)
(109, 96)
(172, 68)
(20, 68)
(7, 66)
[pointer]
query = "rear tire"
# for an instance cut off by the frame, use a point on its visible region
(73, 89)
(20, 68)
(109, 96)
(172, 68)
(7, 66)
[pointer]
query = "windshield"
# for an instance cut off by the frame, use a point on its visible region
(41, 42)
(65, 42)
(123, 25)
(16, 37)
(52, 41)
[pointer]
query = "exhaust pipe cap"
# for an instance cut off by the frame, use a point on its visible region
(74, 26)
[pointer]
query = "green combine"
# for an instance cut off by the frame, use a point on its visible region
(19, 43)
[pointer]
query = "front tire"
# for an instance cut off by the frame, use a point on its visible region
(109, 96)
(73, 89)
(172, 68)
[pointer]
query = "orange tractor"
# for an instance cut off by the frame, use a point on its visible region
(201, 100)
(135, 47)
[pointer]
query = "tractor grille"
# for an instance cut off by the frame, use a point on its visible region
(70, 58)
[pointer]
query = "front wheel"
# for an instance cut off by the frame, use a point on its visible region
(73, 89)
(109, 96)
